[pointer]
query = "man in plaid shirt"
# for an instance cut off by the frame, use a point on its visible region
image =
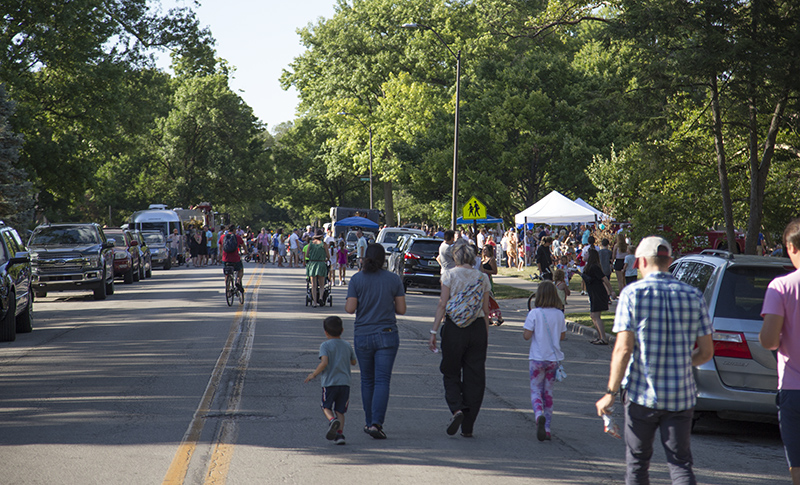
(658, 322)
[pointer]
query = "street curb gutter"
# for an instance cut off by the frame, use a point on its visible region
(579, 329)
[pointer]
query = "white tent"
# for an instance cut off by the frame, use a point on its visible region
(600, 214)
(554, 208)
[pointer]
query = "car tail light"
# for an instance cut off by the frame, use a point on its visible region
(731, 344)
(411, 256)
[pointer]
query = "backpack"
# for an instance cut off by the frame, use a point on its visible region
(463, 308)
(230, 244)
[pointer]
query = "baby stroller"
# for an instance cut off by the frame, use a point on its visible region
(323, 292)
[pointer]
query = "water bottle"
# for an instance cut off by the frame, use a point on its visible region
(610, 426)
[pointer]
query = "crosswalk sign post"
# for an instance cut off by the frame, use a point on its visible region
(473, 209)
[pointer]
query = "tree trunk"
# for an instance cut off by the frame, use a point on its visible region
(759, 169)
(391, 217)
(722, 169)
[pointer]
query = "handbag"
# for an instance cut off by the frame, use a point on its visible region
(561, 374)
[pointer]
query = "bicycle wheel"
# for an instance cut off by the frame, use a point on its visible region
(241, 296)
(531, 302)
(229, 290)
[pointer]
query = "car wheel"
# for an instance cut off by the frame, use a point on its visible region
(8, 327)
(110, 287)
(168, 264)
(39, 294)
(149, 272)
(142, 272)
(100, 291)
(135, 273)
(25, 319)
(127, 278)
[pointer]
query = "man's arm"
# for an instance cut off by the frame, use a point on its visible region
(623, 350)
(704, 350)
(770, 335)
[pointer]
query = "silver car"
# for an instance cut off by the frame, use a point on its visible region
(741, 381)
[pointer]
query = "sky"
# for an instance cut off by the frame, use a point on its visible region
(259, 39)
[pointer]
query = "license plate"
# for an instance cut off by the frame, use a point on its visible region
(433, 263)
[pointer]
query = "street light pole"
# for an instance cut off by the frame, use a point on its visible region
(369, 130)
(454, 202)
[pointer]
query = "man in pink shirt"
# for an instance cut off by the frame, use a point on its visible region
(781, 332)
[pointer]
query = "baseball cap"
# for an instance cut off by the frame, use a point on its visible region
(652, 246)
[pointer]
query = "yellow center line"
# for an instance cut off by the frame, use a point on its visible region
(221, 458)
(176, 474)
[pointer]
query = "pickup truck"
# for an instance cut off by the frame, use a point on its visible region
(71, 257)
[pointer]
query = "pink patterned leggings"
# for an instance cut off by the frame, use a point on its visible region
(543, 374)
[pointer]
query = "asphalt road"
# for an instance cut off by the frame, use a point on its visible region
(164, 383)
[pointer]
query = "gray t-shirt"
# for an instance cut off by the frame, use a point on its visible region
(605, 260)
(446, 257)
(375, 293)
(340, 354)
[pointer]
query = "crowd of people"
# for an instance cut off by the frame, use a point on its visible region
(662, 329)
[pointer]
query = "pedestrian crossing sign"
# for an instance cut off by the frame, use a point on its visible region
(474, 209)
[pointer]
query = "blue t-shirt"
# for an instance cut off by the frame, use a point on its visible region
(375, 293)
(340, 355)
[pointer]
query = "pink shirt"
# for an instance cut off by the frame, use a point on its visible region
(783, 298)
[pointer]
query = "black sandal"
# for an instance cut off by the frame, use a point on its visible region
(598, 341)
(376, 431)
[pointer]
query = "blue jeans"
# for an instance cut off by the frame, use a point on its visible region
(376, 353)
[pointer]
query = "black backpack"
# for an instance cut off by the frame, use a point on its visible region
(230, 244)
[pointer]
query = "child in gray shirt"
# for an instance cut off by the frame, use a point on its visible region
(336, 356)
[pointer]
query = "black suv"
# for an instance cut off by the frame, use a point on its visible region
(741, 380)
(16, 299)
(71, 257)
(416, 262)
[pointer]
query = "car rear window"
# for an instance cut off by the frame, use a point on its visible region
(67, 236)
(741, 293)
(425, 246)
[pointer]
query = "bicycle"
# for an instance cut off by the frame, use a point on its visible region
(231, 289)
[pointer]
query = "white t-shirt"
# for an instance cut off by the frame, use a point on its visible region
(585, 251)
(294, 241)
(330, 240)
(481, 240)
(547, 325)
(361, 247)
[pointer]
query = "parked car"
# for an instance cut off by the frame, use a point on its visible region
(71, 257)
(394, 255)
(388, 236)
(127, 262)
(16, 296)
(418, 266)
(145, 258)
(741, 380)
(159, 251)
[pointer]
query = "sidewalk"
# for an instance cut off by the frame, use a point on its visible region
(517, 309)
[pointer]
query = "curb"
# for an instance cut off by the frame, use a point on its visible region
(578, 329)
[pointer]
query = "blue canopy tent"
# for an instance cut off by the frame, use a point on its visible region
(487, 220)
(356, 221)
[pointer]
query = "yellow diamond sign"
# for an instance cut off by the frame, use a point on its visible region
(474, 209)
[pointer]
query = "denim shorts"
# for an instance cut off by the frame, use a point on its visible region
(788, 401)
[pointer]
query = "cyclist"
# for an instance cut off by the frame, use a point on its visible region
(232, 257)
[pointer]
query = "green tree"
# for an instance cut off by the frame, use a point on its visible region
(16, 202)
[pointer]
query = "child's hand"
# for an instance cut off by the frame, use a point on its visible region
(309, 377)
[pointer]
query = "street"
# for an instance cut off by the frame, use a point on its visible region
(164, 383)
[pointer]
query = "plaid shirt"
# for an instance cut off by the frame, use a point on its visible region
(666, 317)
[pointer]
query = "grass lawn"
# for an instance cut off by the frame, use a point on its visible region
(574, 283)
(584, 319)
(506, 292)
